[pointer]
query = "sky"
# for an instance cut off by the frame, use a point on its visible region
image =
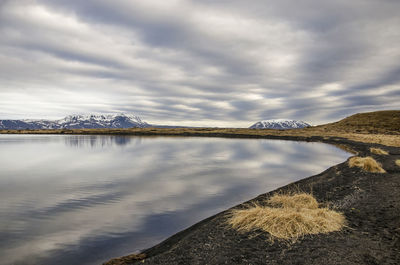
(199, 63)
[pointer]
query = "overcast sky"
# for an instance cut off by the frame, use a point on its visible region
(202, 63)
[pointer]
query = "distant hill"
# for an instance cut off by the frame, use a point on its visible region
(280, 124)
(380, 122)
(77, 122)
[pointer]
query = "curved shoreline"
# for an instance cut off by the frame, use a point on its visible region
(369, 201)
(310, 134)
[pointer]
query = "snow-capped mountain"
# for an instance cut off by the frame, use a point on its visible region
(77, 122)
(281, 124)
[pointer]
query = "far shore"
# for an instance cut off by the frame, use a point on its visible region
(313, 134)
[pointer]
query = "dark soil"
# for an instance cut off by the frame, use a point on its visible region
(370, 202)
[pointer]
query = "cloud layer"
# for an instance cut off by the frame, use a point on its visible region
(202, 63)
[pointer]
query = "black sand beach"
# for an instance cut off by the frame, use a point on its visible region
(369, 201)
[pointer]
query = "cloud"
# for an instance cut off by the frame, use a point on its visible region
(202, 63)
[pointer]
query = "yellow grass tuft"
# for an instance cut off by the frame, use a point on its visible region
(296, 216)
(366, 163)
(300, 200)
(398, 162)
(378, 151)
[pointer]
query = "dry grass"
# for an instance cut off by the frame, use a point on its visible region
(390, 140)
(377, 122)
(398, 162)
(378, 151)
(346, 148)
(290, 217)
(300, 200)
(366, 163)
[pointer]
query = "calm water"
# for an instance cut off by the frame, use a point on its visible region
(85, 199)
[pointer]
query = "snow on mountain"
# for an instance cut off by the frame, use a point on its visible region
(101, 121)
(281, 124)
(78, 122)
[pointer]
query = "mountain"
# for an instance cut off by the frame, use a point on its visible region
(77, 122)
(280, 124)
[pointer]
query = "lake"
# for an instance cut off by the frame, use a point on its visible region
(85, 199)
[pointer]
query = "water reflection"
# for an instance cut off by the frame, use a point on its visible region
(100, 141)
(84, 199)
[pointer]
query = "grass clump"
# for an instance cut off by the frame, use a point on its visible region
(397, 162)
(299, 200)
(378, 151)
(290, 217)
(366, 163)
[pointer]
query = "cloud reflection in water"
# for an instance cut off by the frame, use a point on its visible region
(84, 199)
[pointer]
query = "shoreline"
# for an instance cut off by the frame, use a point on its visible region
(368, 200)
(310, 134)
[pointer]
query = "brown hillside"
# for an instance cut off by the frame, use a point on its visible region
(378, 122)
